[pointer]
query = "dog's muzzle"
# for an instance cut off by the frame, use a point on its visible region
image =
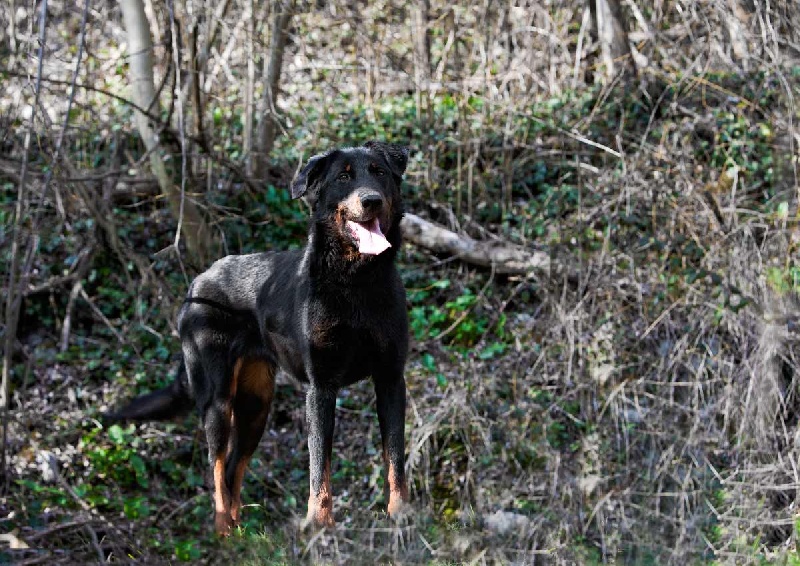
(364, 208)
(371, 202)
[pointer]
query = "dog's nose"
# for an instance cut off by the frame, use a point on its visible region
(371, 201)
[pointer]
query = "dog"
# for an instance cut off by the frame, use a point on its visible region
(330, 314)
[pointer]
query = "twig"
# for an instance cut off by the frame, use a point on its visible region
(83, 262)
(46, 559)
(501, 256)
(67, 112)
(181, 126)
(203, 144)
(77, 523)
(585, 20)
(100, 314)
(176, 510)
(95, 542)
(579, 137)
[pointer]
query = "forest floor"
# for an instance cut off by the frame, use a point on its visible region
(637, 403)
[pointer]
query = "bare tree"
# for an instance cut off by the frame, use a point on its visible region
(736, 22)
(612, 33)
(269, 125)
(191, 223)
(24, 244)
(422, 52)
(249, 90)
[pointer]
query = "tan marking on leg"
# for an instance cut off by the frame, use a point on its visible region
(237, 367)
(236, 491)
(320, 506)
(255, 377)
(258, 378)
(398, 490)
(222, 499)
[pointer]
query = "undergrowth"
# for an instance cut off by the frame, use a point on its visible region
(600, 407)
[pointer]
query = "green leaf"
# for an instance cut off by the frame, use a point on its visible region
(116, 434)
(187, 551)
(140, 469)
(428, 362)
(136, 508)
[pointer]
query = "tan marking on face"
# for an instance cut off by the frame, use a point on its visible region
(343, 234)
(351, 206)
(320, 505)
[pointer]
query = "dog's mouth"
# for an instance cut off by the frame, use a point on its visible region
(369, 236)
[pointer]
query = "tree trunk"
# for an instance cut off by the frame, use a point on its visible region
(422, 54)
(612, 34)
(249, 91)
(268, 127)
(140, 48)
(736, 22)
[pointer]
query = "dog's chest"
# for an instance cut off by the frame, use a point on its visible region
(357, 332)
(343, 353)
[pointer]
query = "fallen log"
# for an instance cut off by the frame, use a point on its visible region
(504, 257)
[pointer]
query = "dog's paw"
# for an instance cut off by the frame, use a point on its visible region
(317, 519)
(399, 510)
(223, 524)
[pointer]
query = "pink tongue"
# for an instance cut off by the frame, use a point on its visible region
(370, 238)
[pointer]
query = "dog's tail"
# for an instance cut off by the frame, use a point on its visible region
(172, 401)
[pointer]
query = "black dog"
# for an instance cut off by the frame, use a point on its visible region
(330, 314)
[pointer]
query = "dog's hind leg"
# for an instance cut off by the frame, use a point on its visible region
(210, 376)
(254, 386)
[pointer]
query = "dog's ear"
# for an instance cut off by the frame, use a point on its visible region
(308, 175)
(396, 155)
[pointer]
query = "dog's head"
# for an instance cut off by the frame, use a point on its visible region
(355, 193)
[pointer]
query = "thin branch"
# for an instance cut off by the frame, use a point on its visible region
(181, 127)
(104, 318)
(164, 129)
(83, 263)
(70, 101)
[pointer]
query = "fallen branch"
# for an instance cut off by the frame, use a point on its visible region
(504, 257)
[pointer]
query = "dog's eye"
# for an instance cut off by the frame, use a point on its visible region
(379, 172)
(343, 177)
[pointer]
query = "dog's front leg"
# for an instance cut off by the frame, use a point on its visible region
(320, 414)
(390, 393)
